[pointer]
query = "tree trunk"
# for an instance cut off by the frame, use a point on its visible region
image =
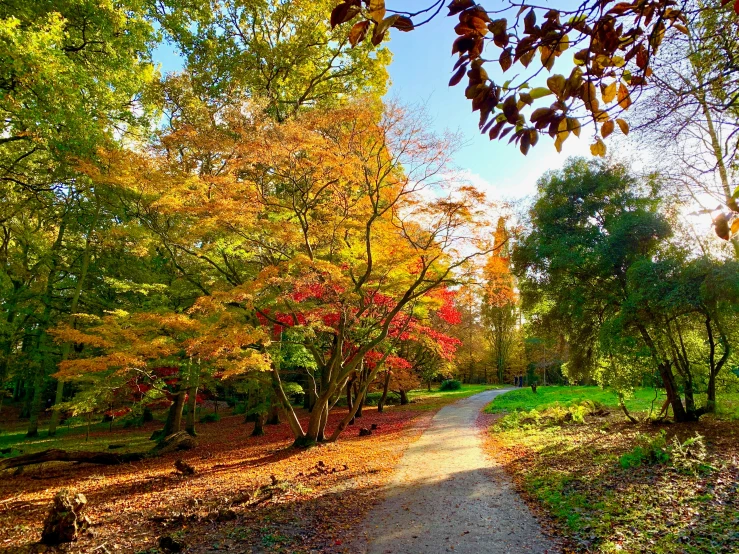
(403, 397)
(192, 404)
(292, 418)
(383, 398)
(428, 386)
(274, 414)
(357, 404)
(36, 399)
(174, 416)
(357, 400)
(258, 426)
(43, 354)
(349, 402)
(56, 455)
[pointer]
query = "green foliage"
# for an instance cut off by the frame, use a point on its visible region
(450, 384)
(283, 51)
(650, 450)
(691, 455)
(551, 415)
(210, 418)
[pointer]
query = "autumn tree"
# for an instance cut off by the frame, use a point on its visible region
(499, 301)
(48, 206)
(316, 226)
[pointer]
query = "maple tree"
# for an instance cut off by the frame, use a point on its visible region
(317, 226)
(612, 44)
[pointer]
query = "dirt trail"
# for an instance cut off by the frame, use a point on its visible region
(447, 496)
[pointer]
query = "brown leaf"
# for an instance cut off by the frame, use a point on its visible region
(358, 32)
(510, 109)
(556, 83)
(623, 126)
(506, 59)
(404, 24)
(529, 21)
(525, 143)
(457, 77)
(607, 128)
(538, 113)
(343, 13)
(721, 225)
(495, 131)
(457, 6)
(624, 100)
(498, 26)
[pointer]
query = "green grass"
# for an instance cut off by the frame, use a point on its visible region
(640, 401)
(615, 487)
(423, 399)
(526, 399)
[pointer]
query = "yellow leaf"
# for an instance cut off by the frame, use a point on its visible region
(624, 100)
(573, 125)
(598, 148)
(735, 226)
(609, 92)
(588, 95)
(377, 10)
(623, 126)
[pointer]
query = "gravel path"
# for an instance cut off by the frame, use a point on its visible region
(447, 496)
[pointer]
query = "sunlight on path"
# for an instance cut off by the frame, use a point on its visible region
(447, 496)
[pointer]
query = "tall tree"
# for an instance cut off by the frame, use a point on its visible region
(691, 115)
(597, 251)
(284, 52)
(499, 311)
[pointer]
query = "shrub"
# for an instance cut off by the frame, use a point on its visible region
(649, 451)
(450, 384)
(554, 414)
(691, 455)
(210, 418)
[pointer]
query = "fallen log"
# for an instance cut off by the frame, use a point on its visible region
(174, 442)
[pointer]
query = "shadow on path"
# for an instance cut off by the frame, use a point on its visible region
(447, 496)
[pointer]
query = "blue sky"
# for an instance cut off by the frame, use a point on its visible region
(419, 73)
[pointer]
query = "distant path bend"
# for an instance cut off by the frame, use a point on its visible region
(447, 496)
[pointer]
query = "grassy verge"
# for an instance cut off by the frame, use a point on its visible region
(616, 487)
(424, 399)
(526, 399)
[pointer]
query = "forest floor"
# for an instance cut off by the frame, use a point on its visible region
(249, 494)
(613, 486)
(447, 496)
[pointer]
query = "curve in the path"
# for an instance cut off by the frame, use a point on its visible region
(447, 496)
